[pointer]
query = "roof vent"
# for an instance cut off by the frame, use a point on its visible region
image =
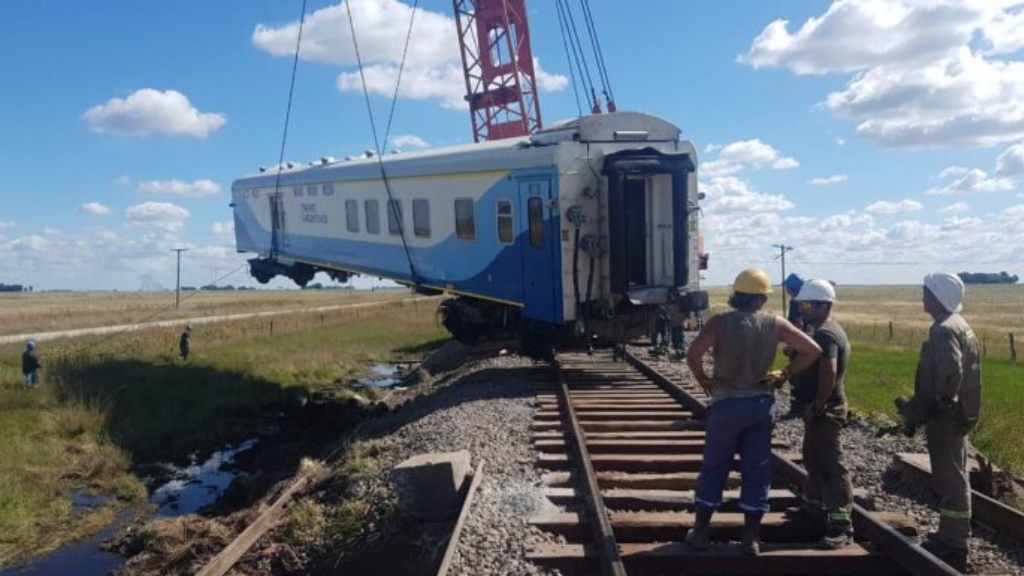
(631, 135)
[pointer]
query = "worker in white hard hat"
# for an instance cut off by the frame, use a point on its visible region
(819, 389)
(741, 412)
(947, 402)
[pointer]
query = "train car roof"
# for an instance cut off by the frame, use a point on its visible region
(509, 154)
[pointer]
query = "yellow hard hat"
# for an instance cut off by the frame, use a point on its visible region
(752, 281)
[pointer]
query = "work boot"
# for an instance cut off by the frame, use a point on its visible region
(956, 558)
(751, 544)
(699, 537)
(837, 535)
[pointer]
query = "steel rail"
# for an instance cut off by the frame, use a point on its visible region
(908, 554)
(604, 537)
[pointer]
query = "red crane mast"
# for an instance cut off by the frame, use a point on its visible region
(501, 89)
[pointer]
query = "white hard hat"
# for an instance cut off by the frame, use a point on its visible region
(817, 291)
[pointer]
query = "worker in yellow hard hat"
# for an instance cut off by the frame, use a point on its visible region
(741, 412)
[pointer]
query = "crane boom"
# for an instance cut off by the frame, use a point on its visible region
(501, 88)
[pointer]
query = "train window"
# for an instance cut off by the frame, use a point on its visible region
(297, 191)
(535, 209)
(465, 219)
(352, 215)
(421, 217)
(505, 228)
(329, 190)
(395, 217)
(312, 190)
(372, 208)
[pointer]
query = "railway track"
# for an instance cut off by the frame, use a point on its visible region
(623, 446)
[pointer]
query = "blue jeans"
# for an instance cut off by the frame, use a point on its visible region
(31, 379)
(744, 426)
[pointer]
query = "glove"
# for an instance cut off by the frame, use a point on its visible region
(775, 379)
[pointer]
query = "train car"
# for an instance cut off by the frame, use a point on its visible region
(587, 227)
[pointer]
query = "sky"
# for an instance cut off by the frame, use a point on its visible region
(881, 139)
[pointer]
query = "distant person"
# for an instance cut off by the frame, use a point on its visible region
(30, 364)
(947, 402)
(793, 283)
(185, 343)
(820, 390)
(741, 414)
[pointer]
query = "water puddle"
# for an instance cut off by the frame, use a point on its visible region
(382, 376)
(188, 489)
(198, 484)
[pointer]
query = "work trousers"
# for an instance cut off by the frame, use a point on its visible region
(743, 426)
(828, 480)
(947, 450)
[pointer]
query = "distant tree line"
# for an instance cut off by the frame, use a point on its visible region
(987, 278)
(14, 288)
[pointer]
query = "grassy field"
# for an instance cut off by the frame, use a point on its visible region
(882, 366)
(27, 312)
(108, 407)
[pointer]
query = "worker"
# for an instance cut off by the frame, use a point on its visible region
(792, 285)
(660, 338)
(30, 364)
(185, 342)
(820, 390)
(947, 402)
(740, 417)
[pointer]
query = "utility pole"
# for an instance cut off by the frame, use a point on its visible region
(177, 285)
(782, 257)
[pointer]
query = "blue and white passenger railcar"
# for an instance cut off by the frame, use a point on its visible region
(590, 224)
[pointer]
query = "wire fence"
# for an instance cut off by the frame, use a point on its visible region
(994, 344)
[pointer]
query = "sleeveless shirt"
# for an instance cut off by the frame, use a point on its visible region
(745, 356)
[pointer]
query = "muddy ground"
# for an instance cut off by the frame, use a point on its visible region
(318, 432)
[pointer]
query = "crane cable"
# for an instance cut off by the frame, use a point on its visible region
(595, 43)
(275, 216)
(569, 53)
(392, 205)
(588, 83)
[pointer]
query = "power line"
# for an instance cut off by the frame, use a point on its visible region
(177, 286)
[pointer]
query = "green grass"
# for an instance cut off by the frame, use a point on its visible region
(878, 374)
(108, 407)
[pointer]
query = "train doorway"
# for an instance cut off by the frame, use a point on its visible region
(538, 242)
(277, 229)
(636, 232)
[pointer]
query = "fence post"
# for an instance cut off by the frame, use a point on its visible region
(271, 327)
(1013, 348)
(984, 346)
(890, 329)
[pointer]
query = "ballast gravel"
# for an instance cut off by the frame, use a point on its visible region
(488, 411)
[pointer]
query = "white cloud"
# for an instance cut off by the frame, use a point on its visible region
(148, 111)
(196, 189)
(953, 172)
(410, 141)
(224, 231)
(955, 208)
(8, 225)
(829, 181)
(974, 180)
(1011, 161)
(94, 208)
(843, 221)
(433, 66)
(746, 154)
(956, 223)
(840, 141)
(165, 216)
(923, 73)
(885, 208)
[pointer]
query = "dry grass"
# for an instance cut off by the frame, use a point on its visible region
(22, 313)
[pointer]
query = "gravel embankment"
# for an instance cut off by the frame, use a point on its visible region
(489, 412)
(869, 458)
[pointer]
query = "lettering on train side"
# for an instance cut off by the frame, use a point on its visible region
(310, 214)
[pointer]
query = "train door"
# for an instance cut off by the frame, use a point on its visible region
(636, 231)
(278, 239)
(540, 274)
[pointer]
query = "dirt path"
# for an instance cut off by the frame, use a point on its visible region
(44, 336)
